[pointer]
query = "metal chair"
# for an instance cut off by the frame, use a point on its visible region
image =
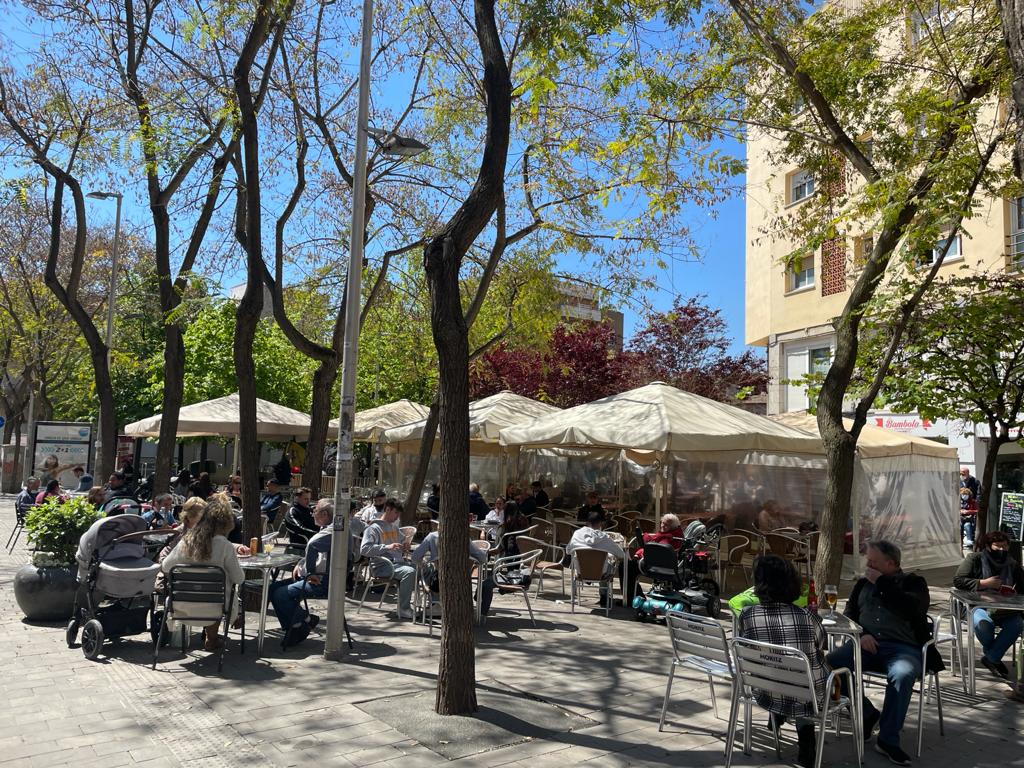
(645, 524)
(698, 643)
(521, 564)
(543, 530)
(926, 681)
(385, 576)
(503, 543)
(784, 671)
(732, 551)
(564, 529)
(197, 596)
(589, 566)
(20, 513)
(542, 567)
(782, 546)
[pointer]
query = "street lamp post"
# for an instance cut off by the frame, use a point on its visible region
(389, 144)
(111, 301)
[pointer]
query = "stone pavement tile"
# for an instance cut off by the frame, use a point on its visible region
(59, 758)
(529, 750)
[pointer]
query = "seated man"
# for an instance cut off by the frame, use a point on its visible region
(84, 480)
(116, 486)
(428, 549)
(271, 501)
(892, 607)
(309, 579)
(477, 504)
(434, 500)
(383, 539)
(539, 494)
(527, 504)
(593, 506)
(299, 518)
(992, 568)
(592, 536)
(27, 498)
(375, 509)
(162, 513)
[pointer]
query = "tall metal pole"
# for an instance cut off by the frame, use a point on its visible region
(334, 647)
(111, 302)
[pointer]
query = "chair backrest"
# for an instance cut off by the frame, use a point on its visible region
(755, 537)
(522, 562)
(514, 536)
(734, 546)
(196, 593)
(646, 524)
(632, 514)
(780, 545)
(774, 669)
(564, 531)
(589, 563)
(698, 636)
(544, 530)
(408, 532)
(544, 512)
(529, 544)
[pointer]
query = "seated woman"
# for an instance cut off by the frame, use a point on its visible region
(96, 496)
(191, 512)
(234, 490)
(52, 489)
(205, 543)
(670, 531)
(777, 586)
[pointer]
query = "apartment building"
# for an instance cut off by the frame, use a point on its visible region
(789, 311)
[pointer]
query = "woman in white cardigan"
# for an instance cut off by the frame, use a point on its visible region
(206, 543)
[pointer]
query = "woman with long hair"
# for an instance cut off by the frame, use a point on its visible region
(205, 543)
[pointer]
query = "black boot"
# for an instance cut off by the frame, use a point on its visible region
(807, 745)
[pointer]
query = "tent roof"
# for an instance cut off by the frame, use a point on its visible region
(487, 417)
(219, 418)
(658, 417)
(372, 422)
(875, 442)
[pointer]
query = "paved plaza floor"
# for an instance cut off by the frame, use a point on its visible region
(579, 688)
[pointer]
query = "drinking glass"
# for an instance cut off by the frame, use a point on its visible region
(268, 546)
(831, 597)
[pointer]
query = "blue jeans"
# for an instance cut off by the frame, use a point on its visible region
(286, 597)
(901, 663)
(967, 529)
(996, 645)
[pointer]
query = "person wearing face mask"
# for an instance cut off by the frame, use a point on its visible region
(992, 568)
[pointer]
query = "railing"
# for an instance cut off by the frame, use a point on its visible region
(1015, 250)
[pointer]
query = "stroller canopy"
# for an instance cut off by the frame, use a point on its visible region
(102, 534)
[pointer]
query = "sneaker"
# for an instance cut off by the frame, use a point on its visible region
(295, 635)
(997, 668)
(893, 752)
(406, 613)
(870, 721)
(313, 620)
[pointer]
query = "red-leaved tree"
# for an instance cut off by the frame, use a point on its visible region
(688, 347)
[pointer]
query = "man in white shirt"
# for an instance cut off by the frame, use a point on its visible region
(375, 509)
(592, 536)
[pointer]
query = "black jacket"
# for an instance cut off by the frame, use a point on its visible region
(907, 595)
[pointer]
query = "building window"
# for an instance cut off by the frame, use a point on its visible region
(819, 360)
(930, 19)
(801, 274)
(801, 186)
(928, 257)
(1016, 245)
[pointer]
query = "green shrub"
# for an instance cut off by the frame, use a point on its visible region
(55, 526)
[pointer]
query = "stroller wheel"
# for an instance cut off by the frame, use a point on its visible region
(92, 639)
(713, 606)
(71, 633)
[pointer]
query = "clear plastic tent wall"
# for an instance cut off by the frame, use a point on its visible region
(397, 470)
(908, 499)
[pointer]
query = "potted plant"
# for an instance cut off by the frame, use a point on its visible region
(45, 589)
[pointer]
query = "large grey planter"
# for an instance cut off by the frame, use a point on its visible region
(46, 593)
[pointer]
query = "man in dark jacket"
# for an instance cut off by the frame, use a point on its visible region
(477, 504)
(299, 518)
(892, 607)
(992, 568)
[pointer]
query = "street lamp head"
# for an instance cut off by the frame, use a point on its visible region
(103, 195)
(393, 145)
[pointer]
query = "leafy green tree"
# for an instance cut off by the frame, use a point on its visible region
(963, 359)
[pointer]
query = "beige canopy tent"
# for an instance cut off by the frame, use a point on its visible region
(219, 418)
(704, 454)
(371, 423)
(487, 417)
(905, 491)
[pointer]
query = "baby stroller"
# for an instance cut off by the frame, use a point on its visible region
(115, 591)
(681, 582)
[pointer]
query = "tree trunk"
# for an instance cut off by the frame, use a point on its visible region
(456, 674)
(997, 439)
(323, 387)
(412, 498)
(841, 453)
(1011, 13)
(174, 387)
(246, 319)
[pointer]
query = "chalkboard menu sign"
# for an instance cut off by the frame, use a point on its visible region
(1011, 515)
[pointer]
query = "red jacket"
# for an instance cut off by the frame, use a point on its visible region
(674, 538)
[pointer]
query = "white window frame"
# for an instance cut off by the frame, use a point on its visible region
(1016, 238)
(956, 252)
(802, 279)
(800, 180)
(811, 359)
(798, 360)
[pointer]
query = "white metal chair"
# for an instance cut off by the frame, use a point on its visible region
(197, 596)
(784, 671)
(503, 543)
(927, 681)
(698, 643)
(732, 551)
(515, 567)
(385, 575)
(590, 566)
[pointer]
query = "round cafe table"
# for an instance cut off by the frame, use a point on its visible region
(266, 563)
